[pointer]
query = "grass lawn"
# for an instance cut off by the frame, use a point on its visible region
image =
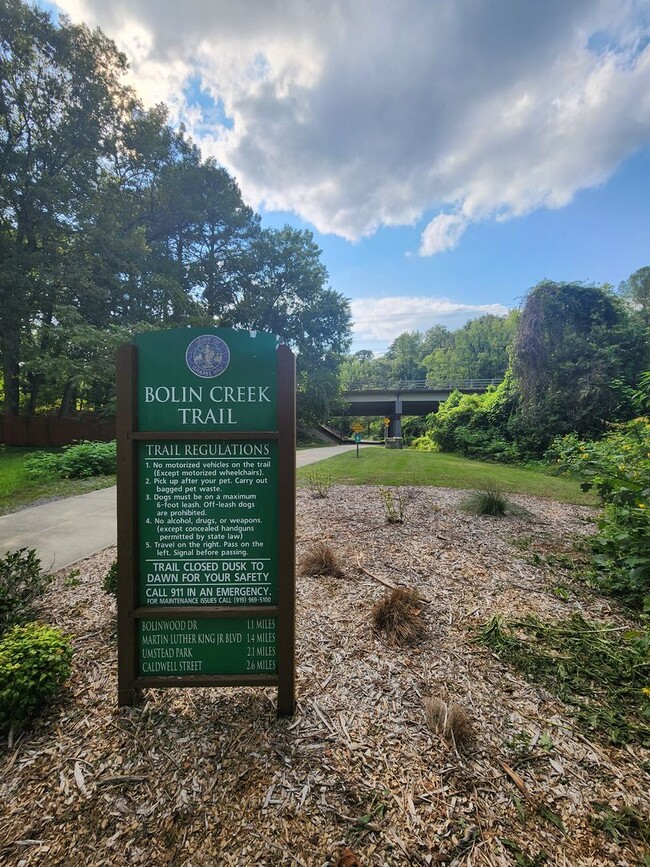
(17, 491)
(379, 466)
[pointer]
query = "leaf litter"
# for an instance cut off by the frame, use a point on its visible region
(366, 771)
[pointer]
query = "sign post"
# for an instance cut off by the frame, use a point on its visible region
(356, 430)
(206, 512)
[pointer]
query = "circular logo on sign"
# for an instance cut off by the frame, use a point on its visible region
(207, 356)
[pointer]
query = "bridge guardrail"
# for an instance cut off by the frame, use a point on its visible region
(423, 385)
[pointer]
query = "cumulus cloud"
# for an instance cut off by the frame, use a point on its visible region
(378, 320)
(375, 113)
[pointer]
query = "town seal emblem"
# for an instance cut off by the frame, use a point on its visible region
(207, 356)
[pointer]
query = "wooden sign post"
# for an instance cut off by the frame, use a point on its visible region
(206, 512)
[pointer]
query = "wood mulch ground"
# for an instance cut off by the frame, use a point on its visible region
(209, 777)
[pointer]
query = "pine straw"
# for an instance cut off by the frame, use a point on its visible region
(207, 777)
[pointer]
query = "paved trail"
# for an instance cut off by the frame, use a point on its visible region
(68, 530)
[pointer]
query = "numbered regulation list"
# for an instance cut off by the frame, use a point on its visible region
(208, 523)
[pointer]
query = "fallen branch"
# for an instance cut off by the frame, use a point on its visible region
(386, 583)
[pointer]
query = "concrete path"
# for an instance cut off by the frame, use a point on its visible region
(68, 530)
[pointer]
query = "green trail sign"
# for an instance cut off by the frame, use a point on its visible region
(206, 512)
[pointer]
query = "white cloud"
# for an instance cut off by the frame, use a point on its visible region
(380, 320)
(443, 233)
(372, 113)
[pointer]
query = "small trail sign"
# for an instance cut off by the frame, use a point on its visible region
(206, 512)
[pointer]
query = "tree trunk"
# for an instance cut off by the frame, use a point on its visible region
(68, 401)
(10, 372)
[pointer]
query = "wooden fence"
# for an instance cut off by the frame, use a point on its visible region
(46, 430)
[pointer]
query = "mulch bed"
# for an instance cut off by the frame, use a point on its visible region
(206, 777)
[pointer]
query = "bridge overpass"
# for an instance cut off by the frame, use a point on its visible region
(413, 397)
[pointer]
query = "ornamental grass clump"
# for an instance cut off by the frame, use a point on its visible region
(320, 561)
(487, 501)
(398, 617)
(35, 663)
(451, 721)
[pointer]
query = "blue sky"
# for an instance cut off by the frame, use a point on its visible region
(446, 155)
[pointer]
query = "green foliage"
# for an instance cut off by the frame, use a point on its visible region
(21, 582)
(479, 351)
(79, 461)
(622, 823)
(476, 425)
(35, 662)
(425, 444)
(109, 584)
(86, 459)
(601, 671)
(636, 291)
(618, 468)
(577, 356)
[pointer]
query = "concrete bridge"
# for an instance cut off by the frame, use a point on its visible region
(414, 397)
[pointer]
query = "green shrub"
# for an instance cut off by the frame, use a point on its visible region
(394, 502)
(21, 581)
(35, 662)
(42, 465)
(476, 425)
(85, 459)
(320, 482)
(79, 461)
(618, 467)
(109, 584)
(425, 444)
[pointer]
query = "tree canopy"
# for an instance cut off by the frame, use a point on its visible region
(478, 350)
(111, 222)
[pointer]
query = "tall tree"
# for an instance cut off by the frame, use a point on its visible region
(61, 103)
(404, 356)
(283, 288)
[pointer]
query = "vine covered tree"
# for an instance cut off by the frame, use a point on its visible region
(576, 355)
